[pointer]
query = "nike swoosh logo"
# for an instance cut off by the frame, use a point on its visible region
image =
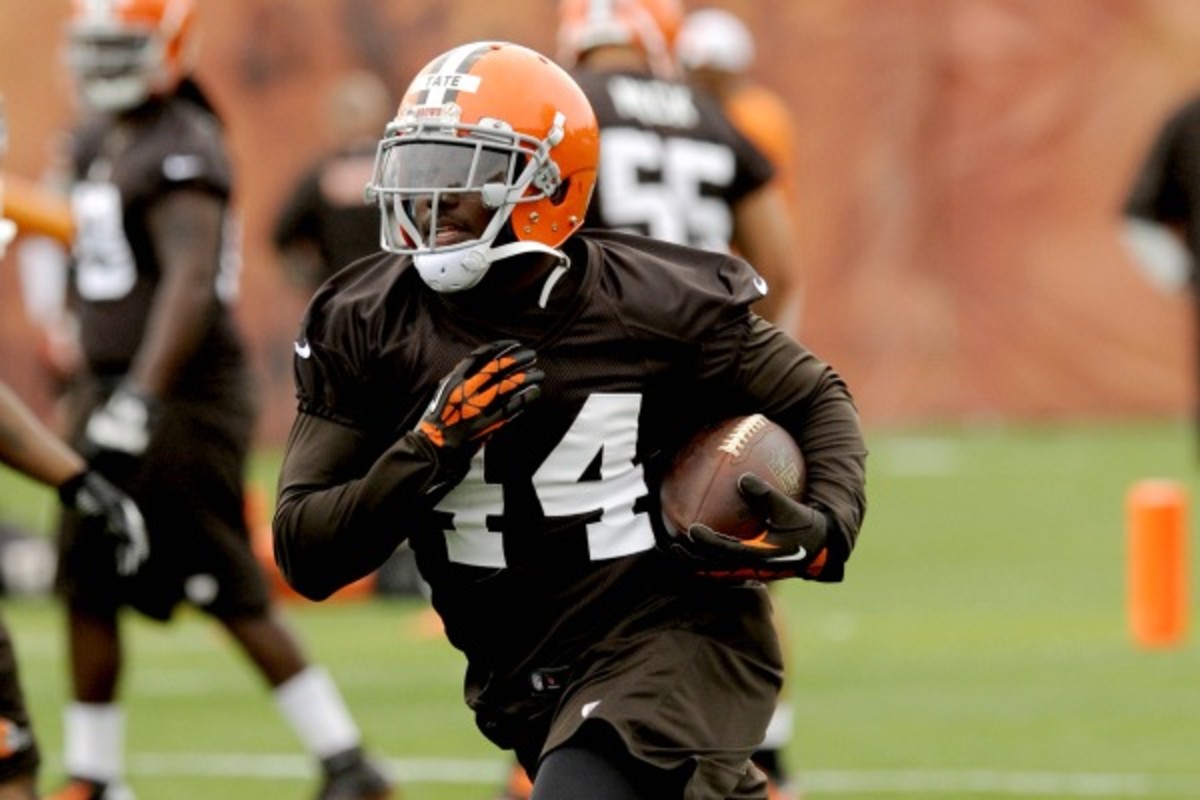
(302, 349)
(588, 708)
(799, 555)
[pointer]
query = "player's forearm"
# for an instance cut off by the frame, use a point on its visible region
(764, 237)
(324, 541)
(821, 415)
(835, 454)
(29, 447)
(186, 227)
(179, 323)
(329, 536)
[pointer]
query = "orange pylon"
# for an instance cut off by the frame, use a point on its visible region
(1157, 562)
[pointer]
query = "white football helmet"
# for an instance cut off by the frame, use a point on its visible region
(123, 52)
(716, 39)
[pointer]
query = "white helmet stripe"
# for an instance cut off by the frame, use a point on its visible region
(443, 83)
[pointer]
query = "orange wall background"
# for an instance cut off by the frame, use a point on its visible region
(961, 164)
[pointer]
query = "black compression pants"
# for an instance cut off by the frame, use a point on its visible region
(595, 765)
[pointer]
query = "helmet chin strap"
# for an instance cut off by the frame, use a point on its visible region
(459, 270)
(560, 269)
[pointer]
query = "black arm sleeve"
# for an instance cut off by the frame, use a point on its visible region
(795, 388)
(338, 518)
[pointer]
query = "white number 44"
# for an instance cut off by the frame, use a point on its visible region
(604, 433)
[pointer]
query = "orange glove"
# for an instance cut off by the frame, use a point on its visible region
(484, 392)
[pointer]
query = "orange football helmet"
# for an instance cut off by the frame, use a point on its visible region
(122, 52)
(649, 25)
(496, 119)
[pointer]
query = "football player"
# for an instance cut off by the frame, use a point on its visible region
(716, 51)
(166, 400)
(325, 224)
(30, 448)
(503, 391)
(673, 165)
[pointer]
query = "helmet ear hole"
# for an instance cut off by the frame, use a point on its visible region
(560, 194)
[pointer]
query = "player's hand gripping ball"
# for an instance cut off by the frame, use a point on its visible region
(731, 500)
(484, 392)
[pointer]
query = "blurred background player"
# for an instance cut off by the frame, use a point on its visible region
(673, 166)
(1161, 218)
(30, 448)
(716, 50)
(164, 407)
(326, 223)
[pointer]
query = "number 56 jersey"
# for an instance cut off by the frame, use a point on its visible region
(547, 546)
(672, 165)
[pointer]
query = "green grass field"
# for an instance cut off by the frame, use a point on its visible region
(979, 649)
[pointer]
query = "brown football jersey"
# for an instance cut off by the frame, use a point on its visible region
(121, 168)
(672, 165)
(546, 549)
